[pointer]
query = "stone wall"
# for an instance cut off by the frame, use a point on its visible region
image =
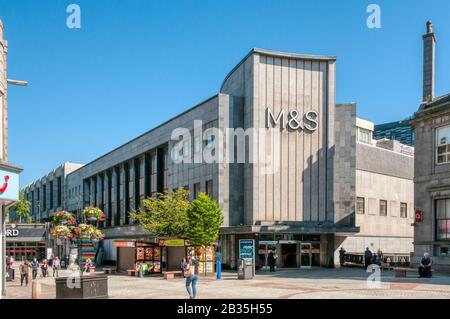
(345, 164)
(432, 181)
(290, 179)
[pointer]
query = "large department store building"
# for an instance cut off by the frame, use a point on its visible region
(304, 175)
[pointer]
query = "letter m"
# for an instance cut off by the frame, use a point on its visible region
(270, 117)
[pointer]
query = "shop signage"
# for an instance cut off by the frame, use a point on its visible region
(12, 231)
(246, 248)
(419, 216)
(171, 242)
(289, 242)
(9, 185)
(292, 119)
(268, 242)
(130, 244)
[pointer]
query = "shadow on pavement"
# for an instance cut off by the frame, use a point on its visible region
(439, 278)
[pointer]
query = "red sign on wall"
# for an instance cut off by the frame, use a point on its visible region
(419, 216)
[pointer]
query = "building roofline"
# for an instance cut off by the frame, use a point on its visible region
(40, 179)
(281, 54)
(436, 102)
(386, 149)
(149, 131)
(10, 167)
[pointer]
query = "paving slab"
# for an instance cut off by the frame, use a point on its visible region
(316, 283)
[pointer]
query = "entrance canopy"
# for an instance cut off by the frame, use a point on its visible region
(25, 233)
(301, 228)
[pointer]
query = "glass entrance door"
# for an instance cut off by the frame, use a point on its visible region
(305, 255)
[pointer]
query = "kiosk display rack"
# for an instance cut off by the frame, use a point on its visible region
(205, 258)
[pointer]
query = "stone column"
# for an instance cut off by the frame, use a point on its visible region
(125, 198)
(331, 258)
(100, 199)
(147, 179)
(132, 181)
(107, 198)
(92, 192)
(232, 238)
(116, 195)
(279, 261)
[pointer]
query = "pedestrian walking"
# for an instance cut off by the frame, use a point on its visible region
(7, 262)
(342, 256)
(24, 269)
(56, 266)
(272, 259)
(367, 257)
(191, 274)
(50, 261)
(34, 268)
(44, 268)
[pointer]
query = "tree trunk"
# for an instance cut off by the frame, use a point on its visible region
(204, 259)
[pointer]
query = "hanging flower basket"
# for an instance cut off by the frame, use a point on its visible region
(61, 232)
(63, 218)
(97, 235)
(84, 231)
(93, 214)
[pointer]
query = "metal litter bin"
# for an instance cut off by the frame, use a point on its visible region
(245, 269)
(10, 274)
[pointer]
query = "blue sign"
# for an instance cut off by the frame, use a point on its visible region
(9, 185)
(246, 248)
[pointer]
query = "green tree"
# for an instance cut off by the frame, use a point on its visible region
(22, 208)
(164, 215)
(205, 218)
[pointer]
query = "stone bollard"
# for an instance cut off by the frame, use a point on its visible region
(36, 292)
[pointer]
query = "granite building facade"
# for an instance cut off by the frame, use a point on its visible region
(431, 124)
(47, 194)
(286, 173)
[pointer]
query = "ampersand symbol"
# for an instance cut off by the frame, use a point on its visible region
(293, 119)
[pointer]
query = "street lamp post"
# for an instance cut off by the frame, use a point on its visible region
(2, 206)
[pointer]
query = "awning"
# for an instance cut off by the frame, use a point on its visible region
(25, 233)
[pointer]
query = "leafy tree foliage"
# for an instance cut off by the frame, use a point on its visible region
(164, 215)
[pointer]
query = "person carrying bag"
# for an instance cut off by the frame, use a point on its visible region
(191, 274)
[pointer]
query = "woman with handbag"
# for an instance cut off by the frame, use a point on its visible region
(191, 275)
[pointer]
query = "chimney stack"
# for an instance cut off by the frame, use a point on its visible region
(429, 50)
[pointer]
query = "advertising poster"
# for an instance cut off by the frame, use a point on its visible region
(246, 249)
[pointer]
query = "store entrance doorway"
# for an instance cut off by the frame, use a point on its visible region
(289, 255)
(305, 255)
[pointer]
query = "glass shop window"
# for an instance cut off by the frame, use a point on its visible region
(443, 145)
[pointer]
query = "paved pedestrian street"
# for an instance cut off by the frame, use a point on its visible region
(347, 283)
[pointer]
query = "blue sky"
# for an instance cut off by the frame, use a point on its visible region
(134, 64)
